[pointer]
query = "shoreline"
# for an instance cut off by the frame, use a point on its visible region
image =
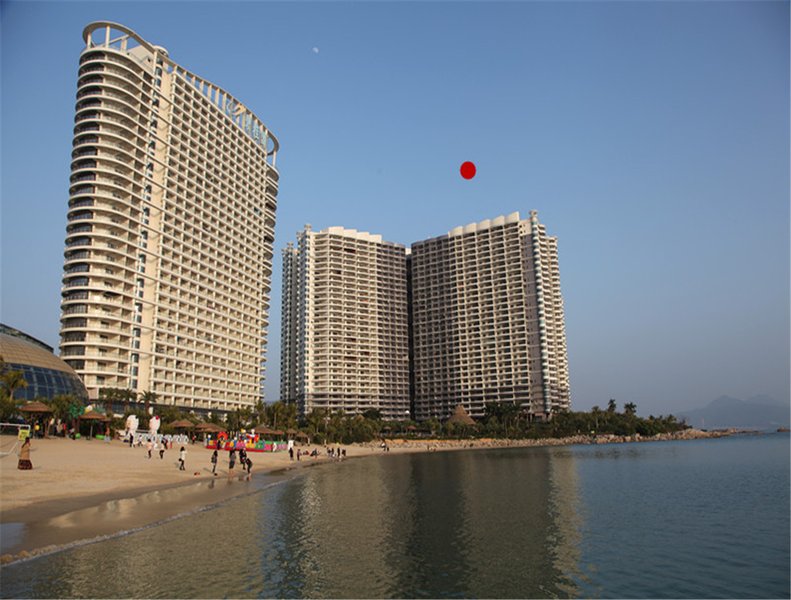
(150, 492)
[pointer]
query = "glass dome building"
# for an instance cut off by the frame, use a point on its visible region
(46, 374)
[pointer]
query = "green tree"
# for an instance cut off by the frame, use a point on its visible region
(109, 396)
(148, 398)
(245, 417)
(61, 404)
(611, 406)
(11, 380)
(315, 421)
(595, 414)
(630, 409)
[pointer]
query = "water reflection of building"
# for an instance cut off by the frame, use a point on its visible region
(520, 519)
(347, 527)
(499, 523)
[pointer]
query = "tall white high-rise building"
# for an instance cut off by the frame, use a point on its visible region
(487, 320)
(170, 230)
(344, 324)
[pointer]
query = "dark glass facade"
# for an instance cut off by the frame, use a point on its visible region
(46, 383)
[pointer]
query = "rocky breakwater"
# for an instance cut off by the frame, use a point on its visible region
(431, 445)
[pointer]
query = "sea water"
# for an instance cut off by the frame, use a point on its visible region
(702, 519)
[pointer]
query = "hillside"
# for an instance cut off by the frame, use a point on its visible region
(758, 412)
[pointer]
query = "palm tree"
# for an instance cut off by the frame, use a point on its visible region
(595, 412)
(290, 414)
(60, 405)
(13, 381)
(611, 406)
(277, 412)
(109, 396)
(147, 398)
(630, 408)
(245, 415)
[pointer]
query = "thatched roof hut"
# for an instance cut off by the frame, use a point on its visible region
(460, 416)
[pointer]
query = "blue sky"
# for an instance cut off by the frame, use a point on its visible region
(652, 137)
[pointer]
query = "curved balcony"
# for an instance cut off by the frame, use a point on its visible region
(86, 104)
(79, 255)
(86, 80)
(89, 91)
(82, 139)
(89, 55)
(85, 116)
(91, 128)
(78, 154)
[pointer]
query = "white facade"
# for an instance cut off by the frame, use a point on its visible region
(170, 230)
(487, 320)
(344, 326)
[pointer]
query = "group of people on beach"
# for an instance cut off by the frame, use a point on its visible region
(161, 446)
(244, 461)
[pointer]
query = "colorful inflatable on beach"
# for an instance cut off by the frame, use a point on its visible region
(250, 442)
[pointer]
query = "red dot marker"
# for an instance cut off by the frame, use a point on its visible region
(467, 170)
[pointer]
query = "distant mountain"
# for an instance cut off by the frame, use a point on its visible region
(758, 412)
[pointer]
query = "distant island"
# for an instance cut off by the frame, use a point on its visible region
(759, 412)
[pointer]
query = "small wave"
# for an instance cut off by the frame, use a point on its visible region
(24, 556)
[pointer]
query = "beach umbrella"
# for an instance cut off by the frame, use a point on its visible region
(264, 430)
(182, 424)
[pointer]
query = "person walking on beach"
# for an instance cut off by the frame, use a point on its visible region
(249, 464)
(214, 463)
(291, 452)
(24, 456)
(231, 462)
(182, 458)
(162, 450)
(149, 447)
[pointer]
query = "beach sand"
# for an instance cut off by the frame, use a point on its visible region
(84, 489)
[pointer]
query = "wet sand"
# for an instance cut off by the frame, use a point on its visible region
(81, 489)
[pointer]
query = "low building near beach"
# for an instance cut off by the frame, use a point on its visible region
(46, 375)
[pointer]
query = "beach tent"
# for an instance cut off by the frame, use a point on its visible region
(208, 428)
(92, 416)
(36, 408)
(264, 430)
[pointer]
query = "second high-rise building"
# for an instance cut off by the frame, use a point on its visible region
(344, 324)
(480, 306)
(488, 322)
